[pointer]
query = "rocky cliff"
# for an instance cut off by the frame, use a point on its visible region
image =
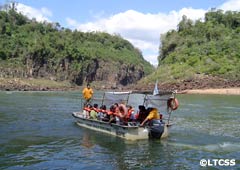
(105, 74)
(32, 50)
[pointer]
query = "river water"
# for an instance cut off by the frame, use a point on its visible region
(38, 132)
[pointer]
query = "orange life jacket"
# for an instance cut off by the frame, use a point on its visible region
(87, 109)
(129, 113)
(109, 112)
(95, 109)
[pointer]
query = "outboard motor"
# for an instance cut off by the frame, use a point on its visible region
(156, 129)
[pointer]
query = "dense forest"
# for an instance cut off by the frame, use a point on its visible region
(195, 51)
(208, 47)
(32, 49)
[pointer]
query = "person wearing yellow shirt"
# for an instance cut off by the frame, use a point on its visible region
(153, 114)
(87, 94)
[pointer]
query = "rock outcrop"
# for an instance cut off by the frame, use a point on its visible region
(106, 74)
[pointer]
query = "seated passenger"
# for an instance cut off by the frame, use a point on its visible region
(93, 113)
(86, 111)
(111, 117)
(102, 112)
(153, 114)
(142, 113)
(121, 113)
(130, 114)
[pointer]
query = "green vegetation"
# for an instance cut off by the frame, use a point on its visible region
(209, 47)
(47, 50)
(28, 47)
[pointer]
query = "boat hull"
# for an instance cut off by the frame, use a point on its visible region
(126, 132)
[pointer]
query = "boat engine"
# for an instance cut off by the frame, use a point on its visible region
(156, 129)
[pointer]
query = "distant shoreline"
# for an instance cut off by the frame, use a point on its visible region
(226, 91)
(31, 84)
(222, 91)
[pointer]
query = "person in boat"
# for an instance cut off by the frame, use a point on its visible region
(87, 110)
(121, 112)
(153, 115)
(142, 114)
(94, 112)
(102, 112)
(87, 94)
(111, 116)
(130, 114)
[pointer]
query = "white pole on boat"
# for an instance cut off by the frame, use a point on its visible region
(128, 98)
(144, 99)
(103, 97)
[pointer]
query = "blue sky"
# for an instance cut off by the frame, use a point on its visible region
(139, 21)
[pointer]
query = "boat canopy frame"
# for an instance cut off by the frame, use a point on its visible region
(136, 98)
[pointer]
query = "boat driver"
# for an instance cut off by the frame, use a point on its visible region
(153, 114)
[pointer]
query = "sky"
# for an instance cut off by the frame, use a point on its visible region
(139, 21)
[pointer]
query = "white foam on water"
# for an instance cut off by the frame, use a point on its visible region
(230, 146)
(218, 147)
(213, 127)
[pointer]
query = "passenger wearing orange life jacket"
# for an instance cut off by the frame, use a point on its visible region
(94, 111)
(88, 108)
(142, 113)
(110, 114)
(102, 112)
(121, 112)
(86, 111)
(130, 113)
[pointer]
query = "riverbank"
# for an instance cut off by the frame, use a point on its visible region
(201, 84)
(186, 87)
(32, 84)
(225, 91)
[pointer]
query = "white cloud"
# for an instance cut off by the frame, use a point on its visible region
(46, 12)
(142, 30)
(71, 22)
(233, 5)
(41, 15)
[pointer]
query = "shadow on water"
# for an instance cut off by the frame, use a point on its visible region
(122, 154)
(155, 154)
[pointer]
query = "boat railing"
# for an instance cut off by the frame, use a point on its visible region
(129, 125)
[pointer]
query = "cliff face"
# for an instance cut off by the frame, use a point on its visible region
(29, 49)
(108, 74)
(114, 73)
